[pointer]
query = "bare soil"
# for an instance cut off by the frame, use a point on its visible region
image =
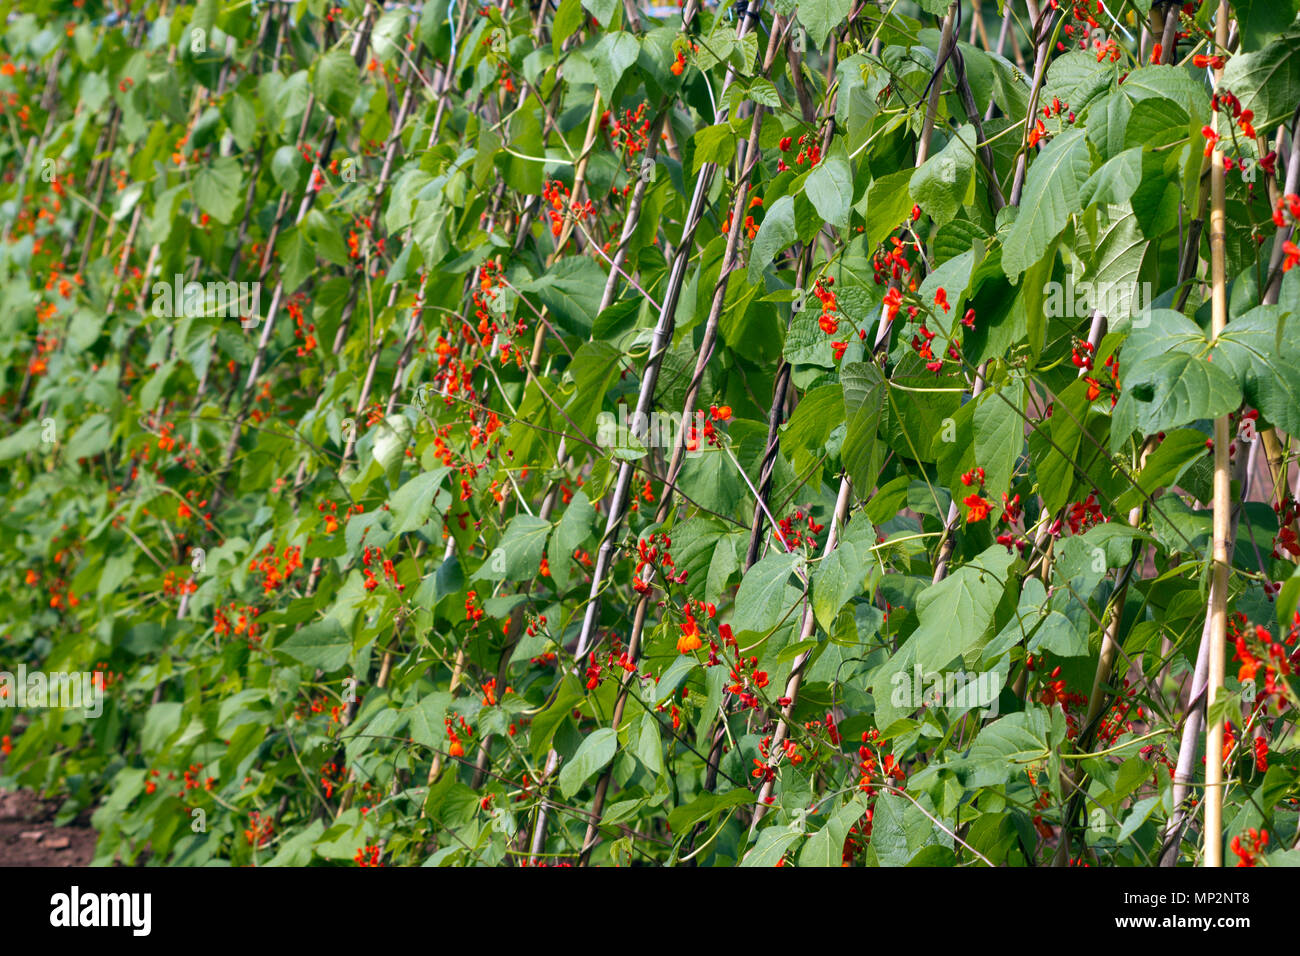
(28, 836)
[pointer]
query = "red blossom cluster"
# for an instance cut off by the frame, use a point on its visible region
(260, 830)
(276, 571)
(653, 552)
(1248, 853)
(791, 537)
(809, 151)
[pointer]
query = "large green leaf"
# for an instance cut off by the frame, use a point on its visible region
(776, 233)
(1050, 196)
(946, 181)
(1169, 379)
(218, 189)
(830, 187)
(820, 17)
(1266, 81)
(323, 644)
(595, 752)
(766, 594)
(337, 82)
(864, 403)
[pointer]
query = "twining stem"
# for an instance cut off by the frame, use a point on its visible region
(1222, 501)
(660, 343)
(747, 160)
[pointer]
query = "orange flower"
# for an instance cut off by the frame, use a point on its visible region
(979, 508)
(1292, 252)
(331, 524)
(893, 301)
(679, 64)
(690, 637)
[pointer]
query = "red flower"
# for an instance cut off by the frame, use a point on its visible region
(838, 349)
(979, 508)
(1292, 253)
(690, 636)
(893, 302)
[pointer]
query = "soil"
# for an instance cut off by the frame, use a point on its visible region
(28, 836)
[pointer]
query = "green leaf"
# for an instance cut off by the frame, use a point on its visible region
(714, 144)
(1137, 816)
(218, 189)
(426, 724)
(842, 573)
(830, 188)
(899, 831)
(571, 289)
(1115, 181)
(776, 233)
(682, 818)
(771, 846)
(519, 554)
(337, 82)
(1267, 81)
(602, 10)
(1000, 436)
(92, 437)
(649, 748)
(412, 503)
(613, 55)
(1262, 20)
(820, 17)
(968, 595)
(1050, 196)
(765, 593)
(1269, 376)
(945, 181)
(889, 203)
(323, 644)
(549, 720)
(595, 751)
(864, 403)
(568, 20)
(1169, 380)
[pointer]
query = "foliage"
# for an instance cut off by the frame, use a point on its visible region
(365, 567)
